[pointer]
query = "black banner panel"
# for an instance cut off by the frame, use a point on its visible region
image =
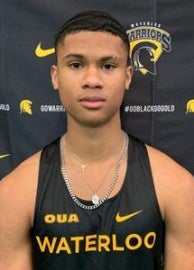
(159, 106)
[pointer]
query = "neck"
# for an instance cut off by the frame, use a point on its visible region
(94, 143)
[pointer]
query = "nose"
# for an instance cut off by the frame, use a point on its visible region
(92, 78)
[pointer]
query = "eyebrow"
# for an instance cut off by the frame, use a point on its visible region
(81, 57)
(110, 57)
(73, 55)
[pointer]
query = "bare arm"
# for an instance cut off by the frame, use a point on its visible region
(175, 191)
(180, 225)
(17, 197)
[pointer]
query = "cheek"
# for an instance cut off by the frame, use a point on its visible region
(118, 85)
(120, 79)
(67, 94)
(117, 95)
(68, 82)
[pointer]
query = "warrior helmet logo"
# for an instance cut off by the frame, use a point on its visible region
(26, 106)
(147, 43)
(190, 106)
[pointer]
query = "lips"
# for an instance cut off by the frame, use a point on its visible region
(94, 102)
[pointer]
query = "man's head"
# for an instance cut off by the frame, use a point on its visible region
(92, 71)
(95, 21)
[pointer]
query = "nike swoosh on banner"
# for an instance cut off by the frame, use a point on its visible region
(4, 156)
(40, 52)
(126, 217)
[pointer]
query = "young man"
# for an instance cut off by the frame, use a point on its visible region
(96, 198)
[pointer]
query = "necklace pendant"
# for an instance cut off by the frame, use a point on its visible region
(95, 199)
(83, 167)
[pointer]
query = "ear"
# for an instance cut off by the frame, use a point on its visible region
(54, 76)
(129, 73)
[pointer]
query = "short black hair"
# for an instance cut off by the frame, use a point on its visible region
(92, 20)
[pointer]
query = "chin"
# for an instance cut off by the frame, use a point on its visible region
(97, 122)
(94, 121)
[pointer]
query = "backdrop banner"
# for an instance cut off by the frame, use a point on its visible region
(159, 106)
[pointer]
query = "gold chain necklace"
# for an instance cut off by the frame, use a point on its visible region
(82, 162)
(83, 165)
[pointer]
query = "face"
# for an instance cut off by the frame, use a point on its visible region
(91, 76)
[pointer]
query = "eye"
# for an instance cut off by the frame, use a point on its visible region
(109, 66)
(75, 65)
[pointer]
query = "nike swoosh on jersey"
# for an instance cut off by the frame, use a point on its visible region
(126, 217)
(4, 156)
(40, 52)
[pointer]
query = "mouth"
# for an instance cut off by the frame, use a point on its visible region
(94, 102)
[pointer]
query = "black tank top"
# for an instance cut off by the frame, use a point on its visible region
(125, 232)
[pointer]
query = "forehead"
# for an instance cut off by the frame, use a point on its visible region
(86, 42)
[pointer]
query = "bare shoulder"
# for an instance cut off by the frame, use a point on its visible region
(24, 173)
(166, 168)
(171, 180)
(19, 187)
(165, 165)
